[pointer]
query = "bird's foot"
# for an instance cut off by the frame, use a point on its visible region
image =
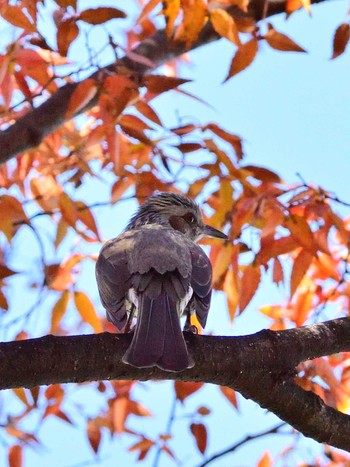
(190, 328)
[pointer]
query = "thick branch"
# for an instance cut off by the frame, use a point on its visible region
(260, 366)
(31, 129)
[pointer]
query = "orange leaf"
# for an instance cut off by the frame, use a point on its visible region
(340, 40)
(300, 230)
(67, 32)
(59, 310)
(230, 395)
(225, 25)
(14, 14)
(194, 15)
(62, 229)
(158, 83)
(82, 95)
(302, 304)
(120, 412)
(277, 274)
(171, 10)
(87, 311)
(249, 284)
(222, 262)
(58, 277)
(46, 191)
(231, 289)
(15, 456)
(147, 9)
(119, 188)
(243, 57)
(184, 389)
(5, 271)
(293, 5)
(94, 435)
(265, 460)
(21, 394)
(280, 41)
(199, 432)
(234, 140)
(100, 15)
(86, 217)
(68, 209)
(12, 216)
(138, 409)
(147, 111)
(301, 265)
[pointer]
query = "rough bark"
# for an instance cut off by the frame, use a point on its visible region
(31, 129)
(260, 366)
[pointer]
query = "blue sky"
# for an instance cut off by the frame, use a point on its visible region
(293, 112)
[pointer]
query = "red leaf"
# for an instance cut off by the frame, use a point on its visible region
(340, 40)
(14, 14)
(199, 432)
(67, 32)
(94, 435)
(281, 42)
(184, 389)
(15, 456)
(81, 96)
(158, 83)
(249, 284)
(100, 15)
(230, 395)
(243, 57)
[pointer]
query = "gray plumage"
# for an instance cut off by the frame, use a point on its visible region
(154, 271)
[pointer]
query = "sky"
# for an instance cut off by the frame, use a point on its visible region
(292, 111)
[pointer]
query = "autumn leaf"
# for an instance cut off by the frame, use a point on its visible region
(158, 84)
(300, 230)
(281, 42)
(222, 262)
(12, 216)
(225, 25)
(300, 267)
(243, 57)
(340, 40)
(171, 10)
(6, 271)
(87, 310)
(185, 389)
(86, 217)
(194, 16)
(100, 15)
(14, 14)
(200, 435)
(230, 288)
(94, 435)
(59, 310)
(293, 5)
(277, 272)
(82, 95)
(265, 460)
(249, 284)
(68, 209)
(120, 412)
(230, 395)
(67, 32)
(15, 456)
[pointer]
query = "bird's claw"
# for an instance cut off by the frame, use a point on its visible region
(191, 328)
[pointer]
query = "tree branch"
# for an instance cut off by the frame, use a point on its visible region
(28, 131)
(261, 366)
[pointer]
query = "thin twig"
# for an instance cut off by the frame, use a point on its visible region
(242, 442)
(167, 430)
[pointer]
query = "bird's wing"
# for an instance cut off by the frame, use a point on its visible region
(114, 278)
(201, 279)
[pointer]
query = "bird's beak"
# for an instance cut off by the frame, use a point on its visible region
(209, 231)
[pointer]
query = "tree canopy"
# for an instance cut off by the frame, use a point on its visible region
(71, 124)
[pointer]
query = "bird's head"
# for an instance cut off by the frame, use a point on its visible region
(176, 211)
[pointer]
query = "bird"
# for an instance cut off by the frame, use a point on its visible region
(154, 271)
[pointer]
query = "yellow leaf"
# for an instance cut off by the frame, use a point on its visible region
(59, 310)
(20, 393)
(82, 95)
(12, 216)
(87, 310)
(232, 295)
(225, 25)
(243, 57)
(194, 15)
(171, 10)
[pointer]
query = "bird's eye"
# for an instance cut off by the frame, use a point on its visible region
(190, 218)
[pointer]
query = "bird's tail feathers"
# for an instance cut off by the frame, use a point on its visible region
(158, 339)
